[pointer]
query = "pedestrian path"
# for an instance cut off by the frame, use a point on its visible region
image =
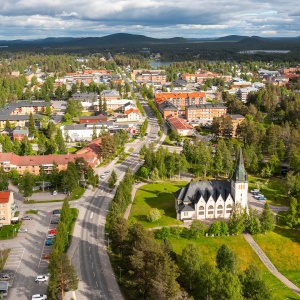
(263, 257)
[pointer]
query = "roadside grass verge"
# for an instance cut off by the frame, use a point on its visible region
(282, 246)
(31, 212)
(274, 189)
(3, 258)
(77, 193)
(9, 231)
(156, 195)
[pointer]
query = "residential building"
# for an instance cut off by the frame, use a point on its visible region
(149, 76)
(85, 97)
(205, 112)
(242, 93)
(92, 119)
(19, 120)
(214, 199)
(33, 163)
(119, 105)
(24, 108)
(7, 207)
(202, 76)
(166, 108)
(131, 114)
(20, 134)
(181, 99)
(181, 126)
(236, 120)
(107, 95)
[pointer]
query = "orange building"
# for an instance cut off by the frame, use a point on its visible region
(181, 99)
(7, 207)
(205, 112)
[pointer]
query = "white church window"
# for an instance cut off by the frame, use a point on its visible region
(201, 207)
(228, 208)
(220, 209)
(210, 210)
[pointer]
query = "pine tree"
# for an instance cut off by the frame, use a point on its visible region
(226, 259)
(3, 180)
(26, 184)
(267, 219)
(61, 146)
(31, 125)
(94, 135)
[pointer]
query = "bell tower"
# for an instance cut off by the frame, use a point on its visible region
(239, 182)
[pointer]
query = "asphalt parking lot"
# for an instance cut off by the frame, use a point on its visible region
(25, 260)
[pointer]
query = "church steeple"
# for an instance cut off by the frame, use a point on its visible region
(240, 172)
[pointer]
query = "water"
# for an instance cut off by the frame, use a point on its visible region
(156, 63)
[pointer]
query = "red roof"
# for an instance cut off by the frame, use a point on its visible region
(129, 111)
(161, 97)
(4, 197)
(38, 160)
(179, 123)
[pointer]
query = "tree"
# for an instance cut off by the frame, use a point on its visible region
(31, 125)
(144, 172)
(25, 147)
(7, 125)
(42, 144)
(253, 286)
(292, 214)
(197, 228)
(61, 146)
(252, 222)
(26, 184)
(3, 180)
(94, 135)
(237, 220)
(107, 147)
(63, 276)
(154, 215)
(48, 111)
(226, 259)
(267, 219)
(190, 263)
(228, 287)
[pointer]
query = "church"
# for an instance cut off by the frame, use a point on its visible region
(215, 198)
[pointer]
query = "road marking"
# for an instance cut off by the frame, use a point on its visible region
(92, 214)
(73, 295)
(94, 274)
(96, 283)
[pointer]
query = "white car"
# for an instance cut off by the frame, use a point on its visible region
(103, 176)
(23, 230)
(41, 278)
(39, 297)
(50, 236)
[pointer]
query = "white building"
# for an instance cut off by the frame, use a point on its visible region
(213, 199)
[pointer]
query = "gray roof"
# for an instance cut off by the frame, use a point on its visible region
(192, 192)
(20, 117)
(9, 108)
(206, 106)
(166, 105)
(20, 131)
(240, 172)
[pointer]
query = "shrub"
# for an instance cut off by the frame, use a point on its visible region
(154, 215)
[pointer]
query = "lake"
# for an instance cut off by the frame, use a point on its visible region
(156, 63)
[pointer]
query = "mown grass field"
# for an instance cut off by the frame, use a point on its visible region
(156, 195)
(274, 189)
(282, 246)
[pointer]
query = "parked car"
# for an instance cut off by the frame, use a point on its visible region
(54, 193)
(22, 230)
(5, 276)
(49, 243)
(54, 221)
(103, 176)
(46, 256)
(255, 191)
(27, 218)
(39, 297)
(41, 278)
(262, 198)
(56, 212)
(52, 231)
(50, 236)
(107, 172)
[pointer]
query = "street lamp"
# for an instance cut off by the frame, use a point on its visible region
(107, 240)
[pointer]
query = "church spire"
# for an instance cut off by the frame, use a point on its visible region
(240, 172)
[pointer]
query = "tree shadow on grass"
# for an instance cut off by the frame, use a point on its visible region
(141, 218)
(292, 234)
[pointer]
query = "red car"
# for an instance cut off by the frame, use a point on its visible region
(52, 231)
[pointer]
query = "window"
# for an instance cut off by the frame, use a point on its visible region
(201, 213)
(201, 208)
(185, 214)
(210, 207)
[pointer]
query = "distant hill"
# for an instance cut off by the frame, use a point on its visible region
(231, 38)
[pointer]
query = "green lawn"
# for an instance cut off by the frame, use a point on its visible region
(72, 149)
(282, 246)
(77, 193)
(274, 189)
(31, 211)
(156, 195)
(208, 247)
(3, 257)
(9, 231)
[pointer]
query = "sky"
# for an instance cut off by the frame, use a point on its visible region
(33, 19)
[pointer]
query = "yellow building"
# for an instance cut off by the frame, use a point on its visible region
(7, 207)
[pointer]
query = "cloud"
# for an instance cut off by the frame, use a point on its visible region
(157, 18)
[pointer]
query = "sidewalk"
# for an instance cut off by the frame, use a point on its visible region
(263, 257)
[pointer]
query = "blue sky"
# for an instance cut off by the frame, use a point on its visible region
(33, 19)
